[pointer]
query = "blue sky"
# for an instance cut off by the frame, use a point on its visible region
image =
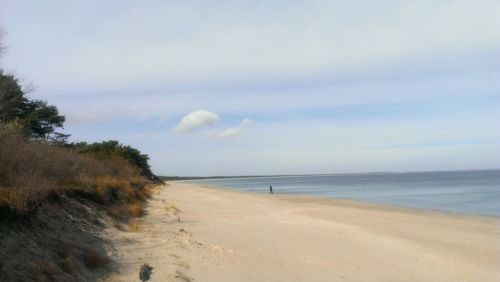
(324, 86)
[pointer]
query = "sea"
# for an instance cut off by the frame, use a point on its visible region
(462, 192)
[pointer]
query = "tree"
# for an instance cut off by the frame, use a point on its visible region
(12, 100)
(39, 120)
(58, 138)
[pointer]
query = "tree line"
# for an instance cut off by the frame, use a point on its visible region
(42, 122)
(108, 149)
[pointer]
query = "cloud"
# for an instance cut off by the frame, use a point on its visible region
(228, 133)
(232, 132)
(246, 122)
(445, 133)
(176, 39)
(196, 120)
(395, 134)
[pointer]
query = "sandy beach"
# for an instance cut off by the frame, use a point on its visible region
(194, 233)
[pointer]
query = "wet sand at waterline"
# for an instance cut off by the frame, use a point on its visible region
(226, 235)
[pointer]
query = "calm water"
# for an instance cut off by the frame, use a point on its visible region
(465, 192)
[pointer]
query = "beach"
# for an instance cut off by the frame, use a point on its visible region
(196, 233)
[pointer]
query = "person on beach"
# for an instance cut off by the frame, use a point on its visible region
(271, 190)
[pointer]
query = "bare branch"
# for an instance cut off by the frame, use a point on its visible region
(29, 87)
(2, 47)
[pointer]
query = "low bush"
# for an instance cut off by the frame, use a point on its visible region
(31, 170)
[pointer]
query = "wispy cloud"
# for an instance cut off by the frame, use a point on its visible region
(395, 134)
(228, 133)
(325, 81)
(175, 39)
(246, 122)
(197, 120)
(445, 133)
(233, 132)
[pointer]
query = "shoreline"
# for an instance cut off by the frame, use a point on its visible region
(212, 234)
(190, 178)
(329, 200)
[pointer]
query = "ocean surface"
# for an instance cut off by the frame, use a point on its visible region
(463, 192)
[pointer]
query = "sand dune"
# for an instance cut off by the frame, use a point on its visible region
(232, 236)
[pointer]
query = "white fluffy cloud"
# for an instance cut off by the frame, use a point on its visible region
(196, 120)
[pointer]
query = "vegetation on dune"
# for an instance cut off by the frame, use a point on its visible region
(41, 121)
(31, 170)
(53, 193)
(110, 149)
(36, 160)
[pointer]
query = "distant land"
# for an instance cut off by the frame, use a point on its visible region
(174, 178)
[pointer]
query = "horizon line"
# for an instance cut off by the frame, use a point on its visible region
(318, 174)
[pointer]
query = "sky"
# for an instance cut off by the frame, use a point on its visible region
(269, 87)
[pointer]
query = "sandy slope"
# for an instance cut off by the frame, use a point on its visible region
(233, 236)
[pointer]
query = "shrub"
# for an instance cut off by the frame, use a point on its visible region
(31, 170)
(109, 149)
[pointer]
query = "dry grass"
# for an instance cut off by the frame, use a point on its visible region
(30, 170)
(126, 211)
(94, 259)
(135, 209)
(183, 264)
(135, 226)
(118, 225)
(182, 276)
(46, 270)
(175, 209)
(34, 175)
(68, 258)
(69, 264)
